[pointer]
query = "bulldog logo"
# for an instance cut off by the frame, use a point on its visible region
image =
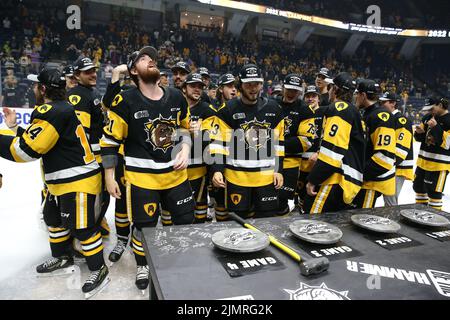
(322, 292)
(74, 99)
(161, 133)
(150, 209)
(235, 198)
(256, 134)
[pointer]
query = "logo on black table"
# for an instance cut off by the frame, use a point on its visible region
(161, 133)
(322, 292)
(256, 134)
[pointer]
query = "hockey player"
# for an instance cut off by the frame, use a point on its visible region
(299, 135)
(322, 84)
(206, 78)
(121, 220)
(164, 80)
(152, 122)
(71, 174)
(250, 138)
(180, 72)
(337, 177)
(201, 116)
(226, 89)
(379, 172)
(71, 81)
(308, 159)
(404, 148)
(87, 104)
(433, 163)
(225, 92)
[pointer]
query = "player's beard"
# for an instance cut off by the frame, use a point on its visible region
(252, 98)
(150, 75)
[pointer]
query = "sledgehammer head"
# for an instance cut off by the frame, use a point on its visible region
(314, 266)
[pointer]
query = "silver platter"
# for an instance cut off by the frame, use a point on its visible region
(425, 218)
(240, 240)
(315, 231)
(375, 223)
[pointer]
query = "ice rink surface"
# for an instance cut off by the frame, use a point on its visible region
(23, 244)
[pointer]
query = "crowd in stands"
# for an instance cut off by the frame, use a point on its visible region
(37, 34)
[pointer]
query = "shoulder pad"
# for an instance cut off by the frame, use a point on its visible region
(402, 120)
(341, 105)
(117, 99)
(44, 108)
(74, 99)
(384, 116)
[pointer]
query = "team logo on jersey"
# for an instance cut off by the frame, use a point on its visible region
(161, 133)
(44, 108)
(117, 99)
(74, 99)
(402, 120)
(322, 292)
(235, 198)
(150, 209)
(384, 116)
(287, 125)
(341, 105)
(256, 134)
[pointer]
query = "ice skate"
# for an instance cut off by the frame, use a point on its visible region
(56, 267)
(142, 278)
(96, 282)
(117, 252)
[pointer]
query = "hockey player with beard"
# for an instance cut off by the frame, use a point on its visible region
(180, 72)
(121, 220)
(249, 149)
(152, 123)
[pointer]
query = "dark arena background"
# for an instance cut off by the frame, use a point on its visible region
(289, 51)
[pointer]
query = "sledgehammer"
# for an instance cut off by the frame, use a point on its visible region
(307, 267)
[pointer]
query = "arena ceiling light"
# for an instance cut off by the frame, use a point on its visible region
(327, 22)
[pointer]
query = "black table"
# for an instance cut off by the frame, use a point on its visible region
(413, 264)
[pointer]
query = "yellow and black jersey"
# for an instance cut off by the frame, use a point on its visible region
(299, 131)
(379, 172)
(204, 113)
(112, 91)
(56, 135)
(251, 140)
(151, 132)
(318, 115)
(434, 154)
(88, 109)
(404, 146)
(341, 154)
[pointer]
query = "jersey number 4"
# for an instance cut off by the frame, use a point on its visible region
(33, 132)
